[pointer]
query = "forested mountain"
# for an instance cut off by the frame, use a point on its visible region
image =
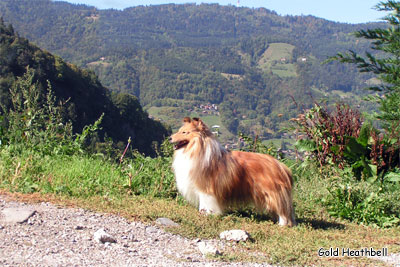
(256, 67)
(86, 99)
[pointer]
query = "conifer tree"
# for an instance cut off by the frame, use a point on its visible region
(385, 63)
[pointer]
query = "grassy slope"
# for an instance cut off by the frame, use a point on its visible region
(101, 186)
(271, 60)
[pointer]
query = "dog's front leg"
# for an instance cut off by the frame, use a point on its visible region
(208, 204)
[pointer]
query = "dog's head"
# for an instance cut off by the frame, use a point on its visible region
(192, 129)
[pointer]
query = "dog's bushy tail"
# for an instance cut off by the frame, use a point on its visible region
(279, 201)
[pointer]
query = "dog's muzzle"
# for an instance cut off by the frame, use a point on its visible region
(180, 144)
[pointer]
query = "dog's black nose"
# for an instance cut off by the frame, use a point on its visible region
(170, 138)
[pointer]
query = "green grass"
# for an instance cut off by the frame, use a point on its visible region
(144, 189)
(276, 51)
(284, 70)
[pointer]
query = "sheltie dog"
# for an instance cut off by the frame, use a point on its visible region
(217, 180)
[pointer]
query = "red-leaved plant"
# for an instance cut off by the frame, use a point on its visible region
(325, 133)
(341, 137)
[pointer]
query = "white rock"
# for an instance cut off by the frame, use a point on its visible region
(234, 235)
(16, 215)
(208, 249)
(102, 237)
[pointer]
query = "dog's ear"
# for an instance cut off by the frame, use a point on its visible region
(201, 125)
(196, 121)
(186, 120)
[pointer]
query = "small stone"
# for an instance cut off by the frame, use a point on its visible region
(102, 237)
(17, 215)
(151, 230)
(234, 235)
(166, 222)
(208, 249)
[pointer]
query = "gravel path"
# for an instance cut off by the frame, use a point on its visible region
(56, 236)
(48, 235)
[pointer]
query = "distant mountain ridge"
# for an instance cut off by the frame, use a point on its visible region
(165, 26)
(252, 63)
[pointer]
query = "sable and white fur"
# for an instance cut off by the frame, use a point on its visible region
(217, 180)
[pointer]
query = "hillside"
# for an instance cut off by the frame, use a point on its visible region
(86, 99)
(251, 63)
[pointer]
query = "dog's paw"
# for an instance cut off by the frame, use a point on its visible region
(205, 212)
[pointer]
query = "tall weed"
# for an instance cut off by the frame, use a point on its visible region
(150, 176)
(35, 122)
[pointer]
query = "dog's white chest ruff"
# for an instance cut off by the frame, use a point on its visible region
(182, 166)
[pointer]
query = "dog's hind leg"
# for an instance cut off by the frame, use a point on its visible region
(281, 206)
(209, 204)
(287, 219)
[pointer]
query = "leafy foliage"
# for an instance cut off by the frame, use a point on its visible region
(363, 202)
(326, 133)
(341, 138)
(372, 154)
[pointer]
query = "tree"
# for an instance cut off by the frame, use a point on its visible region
(385, 65)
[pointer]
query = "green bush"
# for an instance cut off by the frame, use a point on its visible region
(364, 203)
(364, 160)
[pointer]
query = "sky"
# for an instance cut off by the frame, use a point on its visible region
(348, 11)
